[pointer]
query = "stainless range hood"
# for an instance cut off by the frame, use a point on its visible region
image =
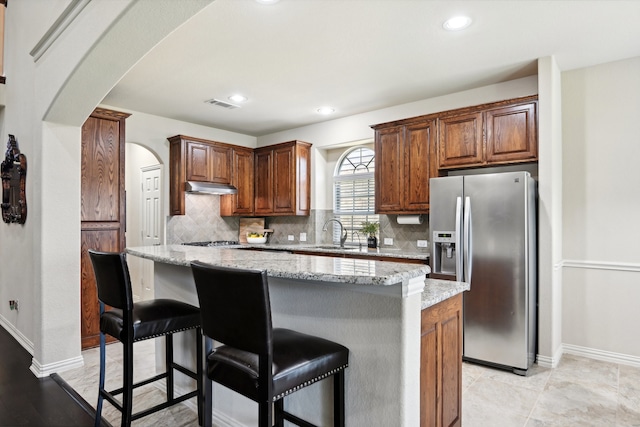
(209, 188)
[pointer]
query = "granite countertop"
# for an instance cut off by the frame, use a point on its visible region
(349, 250)
(287, 265)
(436, 291)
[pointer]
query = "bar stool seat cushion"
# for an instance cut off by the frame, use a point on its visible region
(152, 319)
(298, 361)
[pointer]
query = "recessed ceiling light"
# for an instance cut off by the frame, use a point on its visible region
(457, 23)
(325, 110)
(238, 98)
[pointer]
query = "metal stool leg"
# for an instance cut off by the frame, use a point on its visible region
(207, 387)
(338, 399)
(127, 384)
(168, 348)
(278, 412)
(103, 349)
(199, 379)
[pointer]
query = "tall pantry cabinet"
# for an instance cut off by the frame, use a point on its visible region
(102, 213)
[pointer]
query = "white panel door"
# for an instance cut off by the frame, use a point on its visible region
(152, 227)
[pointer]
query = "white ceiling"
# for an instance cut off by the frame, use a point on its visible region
(292, 57)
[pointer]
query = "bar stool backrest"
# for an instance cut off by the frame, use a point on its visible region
(112, 279)
(235, 306)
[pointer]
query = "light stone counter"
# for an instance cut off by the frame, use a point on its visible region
(381, 252)
(436, 291)
(371, 307)
(288, 266)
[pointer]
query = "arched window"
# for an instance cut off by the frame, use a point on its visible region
(354, 192)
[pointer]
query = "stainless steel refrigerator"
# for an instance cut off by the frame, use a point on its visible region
(483, 231)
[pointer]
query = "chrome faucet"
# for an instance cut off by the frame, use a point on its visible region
(343, 237)
(355, 233)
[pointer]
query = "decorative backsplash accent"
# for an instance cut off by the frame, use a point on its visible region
(202, 222)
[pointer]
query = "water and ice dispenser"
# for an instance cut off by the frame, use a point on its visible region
(444, 253)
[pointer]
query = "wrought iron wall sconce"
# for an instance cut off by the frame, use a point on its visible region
(14, 176)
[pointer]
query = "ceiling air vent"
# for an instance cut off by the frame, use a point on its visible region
(222, 104)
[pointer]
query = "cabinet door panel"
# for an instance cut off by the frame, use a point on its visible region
(451, 373)
(104, 240)
(511, 134)
(418, 154)
(284, 177)
(242, 178)
(220, 164)
(263, 182)
(198, 162)
(100, 170)
(389, 172)
(441, 364)
(429, 364)
(460, 140)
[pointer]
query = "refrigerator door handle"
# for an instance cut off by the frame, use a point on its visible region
(458, 251)
(468, 241)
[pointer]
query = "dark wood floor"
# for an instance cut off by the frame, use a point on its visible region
(29, 401)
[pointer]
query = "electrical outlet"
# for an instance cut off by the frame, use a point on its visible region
(423, 243)
(303, 237)
(388, 241)
(291, 237)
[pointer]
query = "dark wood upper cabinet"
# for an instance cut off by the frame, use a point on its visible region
(102, 210)
(420, 164)
(460, 141)
(512, 133)
(273, 180)
(488, 135)
(389, 149)
(411, 151)
(283, 179)
(221, 163)
(242, 177)
(405, 161)
(199, 162)
(195, 159)
(263, 181)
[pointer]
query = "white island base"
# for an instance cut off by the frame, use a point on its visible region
(379, 324)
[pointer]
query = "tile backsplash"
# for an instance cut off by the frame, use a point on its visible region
(203, 222)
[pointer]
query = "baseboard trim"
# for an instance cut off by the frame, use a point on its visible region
(41, 371)
(22, 340)
(606, 356)
(550, 362)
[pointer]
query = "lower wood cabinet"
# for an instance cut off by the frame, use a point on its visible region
(441, 364)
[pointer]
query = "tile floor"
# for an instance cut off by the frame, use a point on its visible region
(579, 392)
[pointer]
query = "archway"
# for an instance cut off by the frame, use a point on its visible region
(108, 56)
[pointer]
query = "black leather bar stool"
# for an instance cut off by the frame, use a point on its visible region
(255, 360)
(129, 323)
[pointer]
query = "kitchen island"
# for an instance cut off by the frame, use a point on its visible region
(372, 307)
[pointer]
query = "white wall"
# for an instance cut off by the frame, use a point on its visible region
(601, 274)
